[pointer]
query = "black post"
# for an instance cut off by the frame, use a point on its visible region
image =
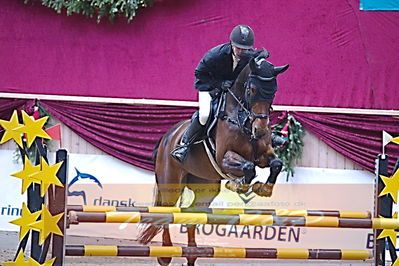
(391, 247)
(35, 202)
(384, 209)
(57, 204)
(24, 241)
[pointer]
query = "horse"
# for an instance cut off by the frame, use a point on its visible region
(242, 141)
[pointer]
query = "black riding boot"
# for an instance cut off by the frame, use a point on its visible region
(192, 134)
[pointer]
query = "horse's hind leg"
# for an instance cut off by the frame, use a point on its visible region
(205, 192)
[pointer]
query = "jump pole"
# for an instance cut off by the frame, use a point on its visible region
(231, 219)
(285, 212)
(217, 252)
(87, 248)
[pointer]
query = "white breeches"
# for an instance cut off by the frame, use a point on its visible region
(204, 100)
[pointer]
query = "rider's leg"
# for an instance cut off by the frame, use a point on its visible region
(204, 102)
(194, 131)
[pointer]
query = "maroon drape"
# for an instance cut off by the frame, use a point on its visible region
(127, 132)
(130, 132)
(357, 137)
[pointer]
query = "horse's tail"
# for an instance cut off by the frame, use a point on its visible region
(150, 230)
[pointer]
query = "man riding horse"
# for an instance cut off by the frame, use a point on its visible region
(239, 142)
(217, 71)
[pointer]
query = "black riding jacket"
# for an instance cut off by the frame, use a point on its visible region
(216, 66)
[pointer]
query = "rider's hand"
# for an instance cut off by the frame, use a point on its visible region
(226, 85)
(215, 93)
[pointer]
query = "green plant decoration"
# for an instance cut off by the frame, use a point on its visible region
(98, 8)
(291, 152)
(32, 150)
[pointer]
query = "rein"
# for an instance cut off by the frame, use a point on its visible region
(248, 114)
(239, 102)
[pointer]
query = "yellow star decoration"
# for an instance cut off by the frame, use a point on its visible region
(47, 176)
(33, 128)
(391, 233)
(27, 175)
(396, 262)
(25, 220)
(47, 224)
(35, 263)
(395, 140)
(31, 262)
(12, 129)
(391, 186)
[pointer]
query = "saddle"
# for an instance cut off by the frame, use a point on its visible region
(217, 111)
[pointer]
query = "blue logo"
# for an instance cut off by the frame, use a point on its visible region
(78, 177)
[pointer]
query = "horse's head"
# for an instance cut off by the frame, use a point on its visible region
(260, 89)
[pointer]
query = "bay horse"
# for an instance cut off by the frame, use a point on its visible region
(242, 141)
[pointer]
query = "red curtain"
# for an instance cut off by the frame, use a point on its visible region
(130, 132)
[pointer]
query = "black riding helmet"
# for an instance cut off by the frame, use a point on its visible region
(242, 36)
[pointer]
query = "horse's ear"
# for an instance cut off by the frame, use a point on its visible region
(262, 53)
(280, 69)
(252, 65)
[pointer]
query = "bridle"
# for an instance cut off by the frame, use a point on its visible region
(247, 86)
(245, 112)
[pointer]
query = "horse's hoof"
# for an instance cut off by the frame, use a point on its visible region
(191, 261)
(243, 188)
(231, 186)
(238, 188)
(164, 261)
(263, 190)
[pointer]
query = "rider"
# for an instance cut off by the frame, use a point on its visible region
(216, 71)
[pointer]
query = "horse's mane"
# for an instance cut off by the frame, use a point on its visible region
(242, 77)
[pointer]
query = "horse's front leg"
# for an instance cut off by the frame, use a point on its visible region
(235, 164)
(275, 164)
